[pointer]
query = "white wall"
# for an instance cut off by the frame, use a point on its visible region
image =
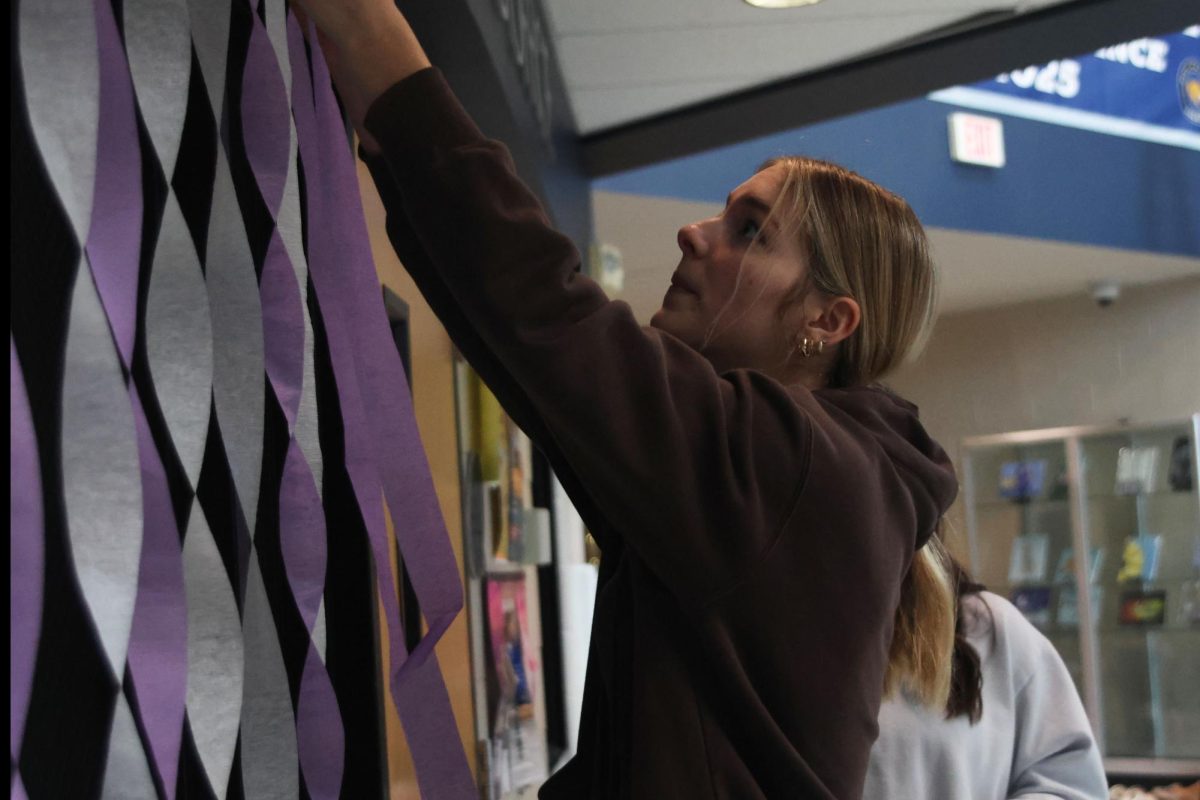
(1058, 362)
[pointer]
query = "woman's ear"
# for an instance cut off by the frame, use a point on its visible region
(835, 319)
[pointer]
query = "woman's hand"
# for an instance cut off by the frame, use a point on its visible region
(343, 20)
(368, 45)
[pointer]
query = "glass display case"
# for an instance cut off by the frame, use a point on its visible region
(1126, 616)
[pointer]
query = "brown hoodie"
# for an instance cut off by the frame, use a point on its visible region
(755, 536)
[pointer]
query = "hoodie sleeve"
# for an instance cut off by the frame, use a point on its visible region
(1054, 752)
(697, 471)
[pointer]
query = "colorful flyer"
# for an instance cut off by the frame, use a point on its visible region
(1022, 480)
(1029, 559)
(1143, 608)
(1140, 558)
(1065, 571)
(1034, 603)
(518, 746)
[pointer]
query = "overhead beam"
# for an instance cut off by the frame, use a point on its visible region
(910, 70)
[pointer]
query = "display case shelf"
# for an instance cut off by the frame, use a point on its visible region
(1126, 620)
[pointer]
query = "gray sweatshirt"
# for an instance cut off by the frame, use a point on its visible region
(1033, 741)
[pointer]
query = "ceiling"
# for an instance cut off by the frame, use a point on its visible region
(650, 80)
(625, 60)
(975, 270)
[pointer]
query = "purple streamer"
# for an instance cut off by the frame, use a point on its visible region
(319, 730)
(26, 554)
(302, 534)
(283, 328)
(158, 638)
(264, 116)
(417, 686)
(157, 654)
(321, 753)
(395, 440)
(116, 231)
(363, 476)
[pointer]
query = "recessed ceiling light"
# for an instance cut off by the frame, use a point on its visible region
(781, 3)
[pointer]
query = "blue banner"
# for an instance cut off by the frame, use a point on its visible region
(1144, 89)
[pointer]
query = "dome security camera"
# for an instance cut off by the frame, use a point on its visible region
(1105, 293)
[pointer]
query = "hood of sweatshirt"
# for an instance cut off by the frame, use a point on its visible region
(894, 424)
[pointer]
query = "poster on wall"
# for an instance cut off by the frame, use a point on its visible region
(518, 742)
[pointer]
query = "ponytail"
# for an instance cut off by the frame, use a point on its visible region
(930, 658)
(920, 661)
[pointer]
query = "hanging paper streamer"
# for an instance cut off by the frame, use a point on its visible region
(58, 59)
(287, 221)
(25, 557)
(381, 440)
(101, 475)
(197, 499)
(268, 727)
(286, 330)
(126, 775)
(158, 634)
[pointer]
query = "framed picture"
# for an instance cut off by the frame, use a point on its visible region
(1136, 469)
(1029, 559)
(1022, 480)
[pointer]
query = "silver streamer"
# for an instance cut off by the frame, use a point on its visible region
(158, 44)
(178, 327)
(269, 756)
(238, 372)
(179, 339)
(210, 35)
(59, 53)
(277, 33)
(215, 653)
(126, 772)
(319, 634)
(101, 472)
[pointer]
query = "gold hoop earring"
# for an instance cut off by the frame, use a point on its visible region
(810, 347)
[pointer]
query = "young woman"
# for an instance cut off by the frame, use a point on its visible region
(758, 501)
(1013, 727)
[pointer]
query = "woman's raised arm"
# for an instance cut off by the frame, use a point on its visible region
(368, 45)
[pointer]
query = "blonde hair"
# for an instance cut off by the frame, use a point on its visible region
(921, 658)
(863, 242)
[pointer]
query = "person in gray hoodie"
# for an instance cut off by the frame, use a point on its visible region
(1014, 726)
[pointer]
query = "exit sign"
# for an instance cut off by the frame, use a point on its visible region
(976, 140)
